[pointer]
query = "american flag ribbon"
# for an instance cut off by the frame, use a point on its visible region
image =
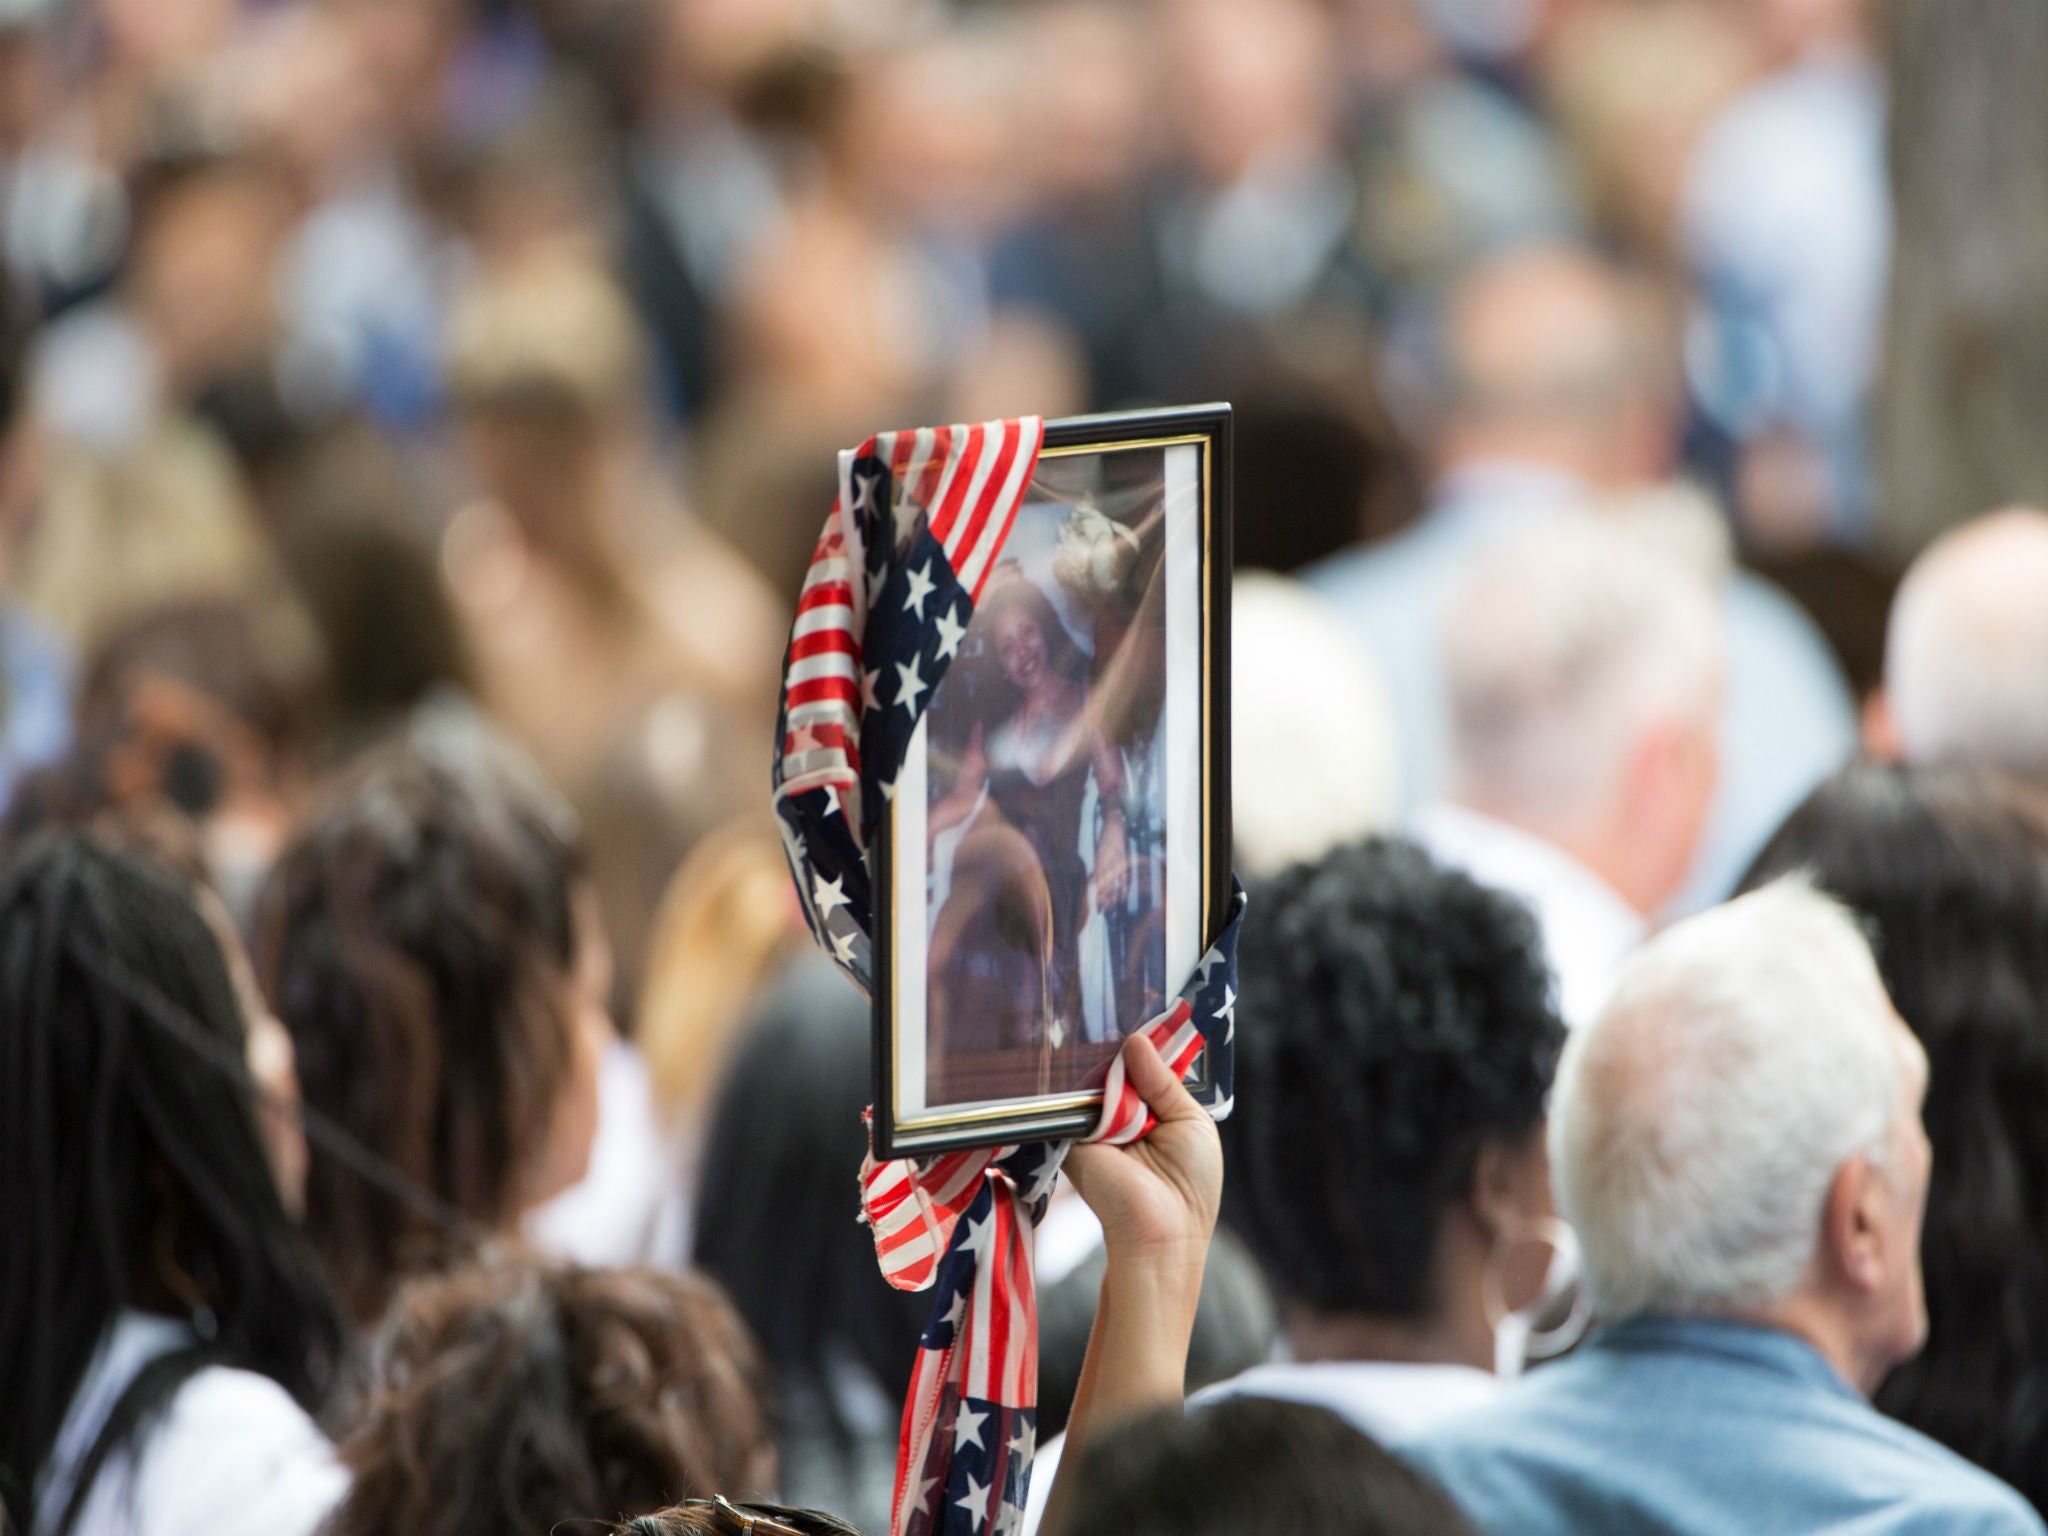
(920, 519)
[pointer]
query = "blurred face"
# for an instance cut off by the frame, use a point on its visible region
(202, 275)
(1251, 78)
(589, 986)
(1021, 644)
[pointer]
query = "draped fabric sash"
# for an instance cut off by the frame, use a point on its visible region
(919, 523)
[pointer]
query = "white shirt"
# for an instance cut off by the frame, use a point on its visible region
(1382, 1399)
(628, 1207)
(1588, 929)
(233, 1455)
(1385, 1399)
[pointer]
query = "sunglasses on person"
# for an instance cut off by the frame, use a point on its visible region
(729, 1519)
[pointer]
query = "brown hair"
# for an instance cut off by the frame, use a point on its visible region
(416, 938)
(518, 1393)
(717, 1517)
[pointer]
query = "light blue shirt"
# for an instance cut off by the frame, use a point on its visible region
(1699, 1427)
(1787, 720)
(35, 720)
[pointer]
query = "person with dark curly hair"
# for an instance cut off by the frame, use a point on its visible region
(511, 1395)
(1386, 1159)
(431, 942)
(1953, 875)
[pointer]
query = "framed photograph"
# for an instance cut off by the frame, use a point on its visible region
(1056, 856)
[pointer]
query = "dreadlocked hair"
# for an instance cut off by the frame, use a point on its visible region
(128, 1133)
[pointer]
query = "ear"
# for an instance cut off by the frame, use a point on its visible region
(1510, 1183)
(1664, 770)
(1880, 730)
(1854, 1233)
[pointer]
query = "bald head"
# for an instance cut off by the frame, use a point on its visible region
(1554, 355)
(1966, 656)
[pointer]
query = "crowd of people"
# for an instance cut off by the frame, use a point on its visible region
(422, 1108)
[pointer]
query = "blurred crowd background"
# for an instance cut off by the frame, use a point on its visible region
(469, 373)
(368, 350)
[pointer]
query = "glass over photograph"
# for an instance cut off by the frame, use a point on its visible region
(1047, 820)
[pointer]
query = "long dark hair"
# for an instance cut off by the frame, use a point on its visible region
(127, 1132)
(776, 1225)
(1954, 877)
(414, 938)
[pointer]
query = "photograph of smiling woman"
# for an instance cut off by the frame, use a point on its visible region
(1047, 820)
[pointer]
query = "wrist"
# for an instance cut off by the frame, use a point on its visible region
(1162, 1281)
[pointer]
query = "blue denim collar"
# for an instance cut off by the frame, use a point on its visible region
(1751, 1344)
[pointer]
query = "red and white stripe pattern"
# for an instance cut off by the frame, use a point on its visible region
(915, 1208)
(968, 481)
(921, 518)
(821, 688)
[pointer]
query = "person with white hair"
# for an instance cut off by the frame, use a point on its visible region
(1737, 1141)
(1557, 383)
(1966, 652)
(1583, 663)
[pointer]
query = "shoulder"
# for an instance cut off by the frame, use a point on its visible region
(1758, 610)
(235, 1454)
(1939, 1491)
(1369, 568)
(1779, 652)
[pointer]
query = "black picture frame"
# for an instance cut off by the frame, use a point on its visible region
(1043, 1117)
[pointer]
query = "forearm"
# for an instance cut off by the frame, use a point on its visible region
(1137, 1353)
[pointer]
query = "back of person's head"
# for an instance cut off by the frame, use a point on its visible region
(549, 340)
(1551, 354)
(1312, 733)
(1583, 663)
(352, 539)
(775, 1215)
(514, 1394)
(135, 1164)
(422, 939)
(1396, 1025)
(1700, 1122)
(1250, 1466)
(1966, 654)
(256, 663)
(1954, 879)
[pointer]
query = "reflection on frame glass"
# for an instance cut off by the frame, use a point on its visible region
(1051, 845)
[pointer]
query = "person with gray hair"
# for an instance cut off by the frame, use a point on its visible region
(1557, 384)
(1583, 662)
(1737, 1141)
(1966, 652)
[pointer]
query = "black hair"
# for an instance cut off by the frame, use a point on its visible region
(128, 1131)
(780, 1189)
(1393, 1016)
(1250, 1466)
(1953, 877)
